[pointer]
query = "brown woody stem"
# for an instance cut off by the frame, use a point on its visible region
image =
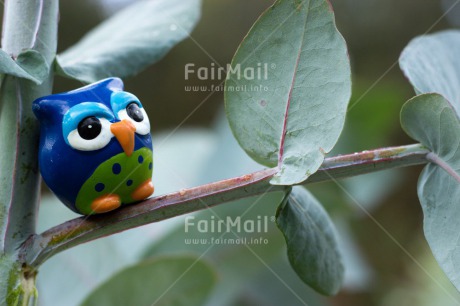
(77, 231)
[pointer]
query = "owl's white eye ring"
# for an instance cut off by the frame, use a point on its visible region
(91, 134)
(137, 116)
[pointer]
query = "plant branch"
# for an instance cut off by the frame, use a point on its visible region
(26, 25)
(77, 231)
(30, 24)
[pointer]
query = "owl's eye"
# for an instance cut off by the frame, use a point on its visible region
(137, 115)
(89, 128)
(134, 112)
(91, 134)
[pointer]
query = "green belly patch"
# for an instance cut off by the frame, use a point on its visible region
(119, 175)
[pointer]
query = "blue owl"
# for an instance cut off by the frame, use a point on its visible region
(95, 150)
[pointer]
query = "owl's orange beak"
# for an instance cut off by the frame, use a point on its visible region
(124, 132)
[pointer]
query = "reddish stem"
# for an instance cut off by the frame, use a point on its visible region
(40, 247)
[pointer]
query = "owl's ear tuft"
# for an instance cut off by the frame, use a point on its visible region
(49, 110)
(41, 109)
(109, 84)
(114, 84)
(97, 92)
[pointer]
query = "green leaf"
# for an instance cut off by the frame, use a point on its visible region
(132, 39)
(432, 120)
(162, 281)
(30, 64)
(297, 114)
(311, 241)
(431, 64)
(34, 64)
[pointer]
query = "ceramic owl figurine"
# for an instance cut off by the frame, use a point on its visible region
(95, 149)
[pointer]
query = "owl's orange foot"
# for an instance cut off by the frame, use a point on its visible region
(105, 203)
(143, 191)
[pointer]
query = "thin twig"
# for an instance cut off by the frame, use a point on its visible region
(40, 247)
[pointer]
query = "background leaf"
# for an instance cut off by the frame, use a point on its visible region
(297, 114)
(311, 241)
(430, 119)
(30, 64)
(132, 39)
(431, 64)
(164, 281)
